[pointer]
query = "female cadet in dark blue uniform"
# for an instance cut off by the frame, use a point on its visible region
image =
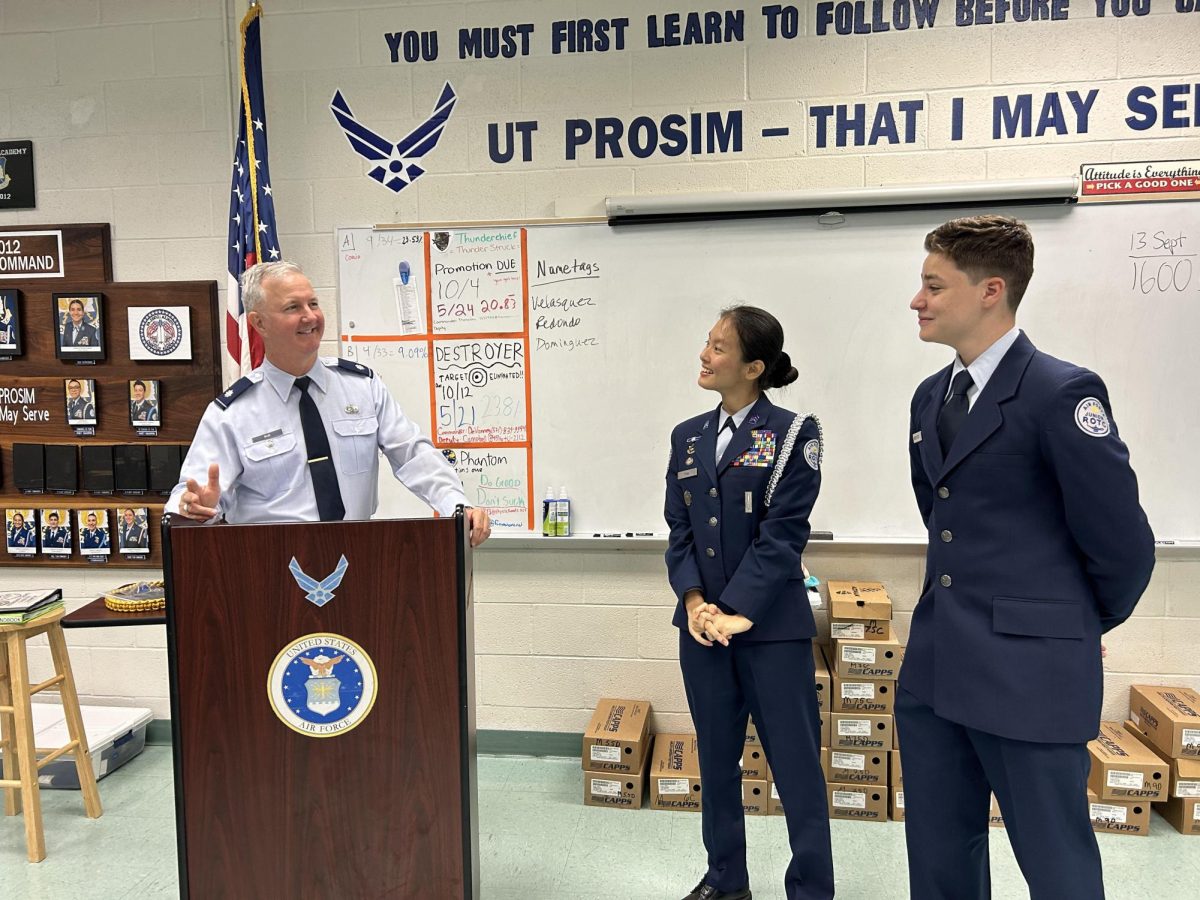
(741, 482)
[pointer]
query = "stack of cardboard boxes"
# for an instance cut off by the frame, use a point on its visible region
(860, 744)
(616, 754)
(1166, 720)
(1125, 778)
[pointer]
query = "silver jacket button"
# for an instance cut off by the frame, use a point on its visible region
(946, 581)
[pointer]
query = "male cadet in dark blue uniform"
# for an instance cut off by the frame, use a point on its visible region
(79, 408)
(1037, 546)
(93, 537)
(54, 535)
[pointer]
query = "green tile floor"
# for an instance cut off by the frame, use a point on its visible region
(537, 840)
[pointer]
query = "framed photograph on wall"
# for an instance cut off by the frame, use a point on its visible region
(80, 395)
(10, 323)
(145, 407)
(93, 532)
(79, 324)
(133, 529)
(57, 538)
(20, 528)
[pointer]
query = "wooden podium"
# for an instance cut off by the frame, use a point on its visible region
(323, 712)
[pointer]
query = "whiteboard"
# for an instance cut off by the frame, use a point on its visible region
(608, 324)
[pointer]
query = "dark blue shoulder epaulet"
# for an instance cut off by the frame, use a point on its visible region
(225, 398)
(354, 368)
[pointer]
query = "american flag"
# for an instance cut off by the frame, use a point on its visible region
(252, 233)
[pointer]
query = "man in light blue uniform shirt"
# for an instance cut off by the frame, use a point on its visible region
(249, 461)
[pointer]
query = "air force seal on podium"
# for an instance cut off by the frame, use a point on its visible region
(322, 685)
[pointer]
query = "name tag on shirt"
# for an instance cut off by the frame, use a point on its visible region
(266, 437)
(687, 473)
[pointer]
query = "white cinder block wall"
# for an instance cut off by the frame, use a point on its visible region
(130, 103)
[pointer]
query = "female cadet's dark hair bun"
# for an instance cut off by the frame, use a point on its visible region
(761, 337)
(782, 373)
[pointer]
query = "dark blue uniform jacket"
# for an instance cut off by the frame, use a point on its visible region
(723, 538)
(1037, 545)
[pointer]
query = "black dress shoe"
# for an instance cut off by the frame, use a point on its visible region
(704, 891)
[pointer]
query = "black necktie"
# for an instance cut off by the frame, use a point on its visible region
(730, 424)
(954, 411)
(320, 462)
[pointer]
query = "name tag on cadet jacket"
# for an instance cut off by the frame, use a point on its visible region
(687, 473)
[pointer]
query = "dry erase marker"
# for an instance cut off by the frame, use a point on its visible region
(606, 534)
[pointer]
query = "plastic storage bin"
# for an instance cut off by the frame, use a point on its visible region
(115, 735)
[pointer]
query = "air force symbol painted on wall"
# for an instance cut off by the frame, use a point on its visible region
(1091, 418)
(397, 167)
(322, 685)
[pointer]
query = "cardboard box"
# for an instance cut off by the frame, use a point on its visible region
(896, 808)
(867, 659)
(822, 677)
(860, 629)
(1130, 817)
(774, 804)
(860, 731)
(621, 790)
(754, 763)
(617, 736)
(1125, 769)
(675, 773)
(1184, 780)
(854, 766)
(856, 801)
(896, 775)
(756, 797)
(825, 728)
(1183, 813)
(863, 600)
(1169, 716)
(752, 733)
(995, 819)
(868, 695)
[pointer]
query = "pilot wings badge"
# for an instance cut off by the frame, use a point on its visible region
(319, 592)
(397, 167)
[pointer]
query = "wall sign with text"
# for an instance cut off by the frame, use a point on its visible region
(16, 175)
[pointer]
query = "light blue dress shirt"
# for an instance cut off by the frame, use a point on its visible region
(259, 444)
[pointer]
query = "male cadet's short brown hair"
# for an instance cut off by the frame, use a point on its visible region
(986, 246)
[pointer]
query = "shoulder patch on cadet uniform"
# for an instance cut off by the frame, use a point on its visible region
(812, 453)
(225, 398)
(353, 368)
(1091, 417)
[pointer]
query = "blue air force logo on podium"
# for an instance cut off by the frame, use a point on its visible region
(322, 685)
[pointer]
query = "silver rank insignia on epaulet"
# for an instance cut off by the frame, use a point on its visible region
(225, 398)
(813, 451)
(349, 365)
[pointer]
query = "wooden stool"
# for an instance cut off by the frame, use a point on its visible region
(21, 763)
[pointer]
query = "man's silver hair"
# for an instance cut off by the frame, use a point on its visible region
(253, 278)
